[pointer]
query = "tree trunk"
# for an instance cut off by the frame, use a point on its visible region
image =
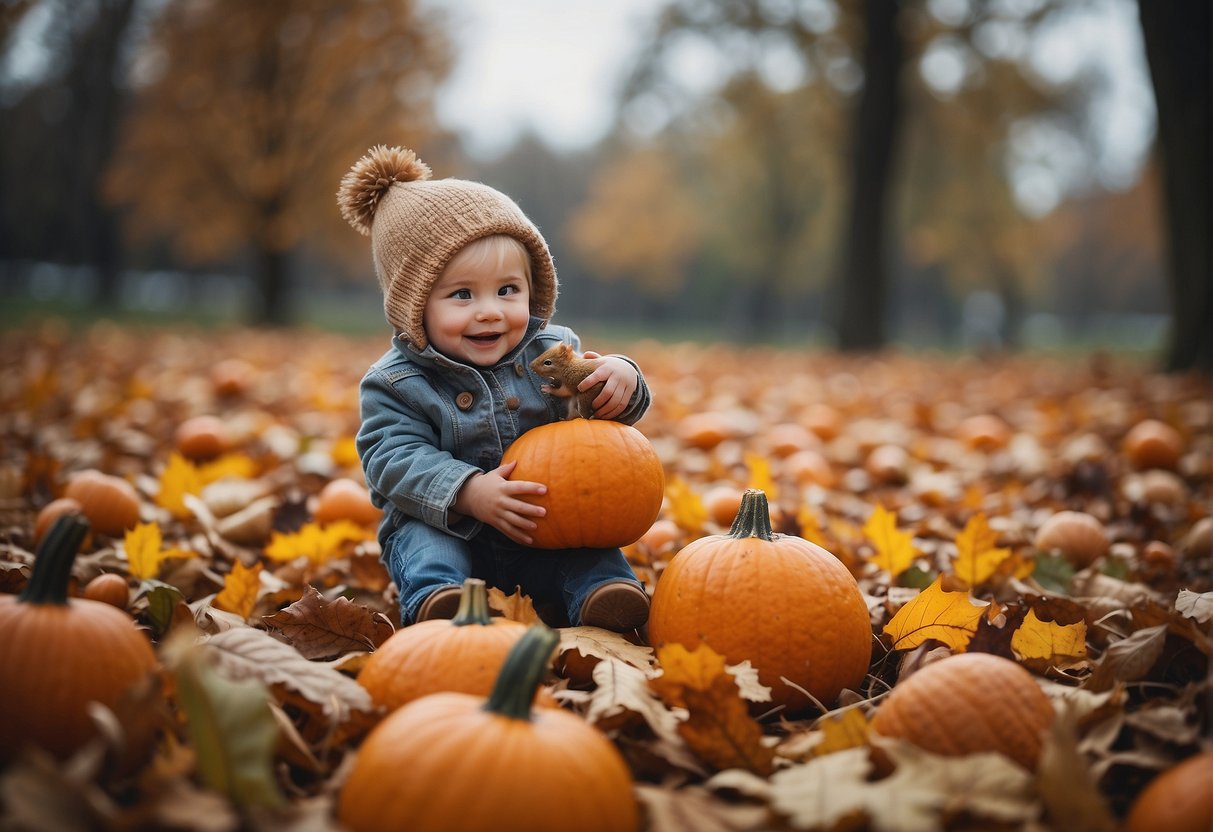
(272, 303)
(864, 277)
(1177, 39)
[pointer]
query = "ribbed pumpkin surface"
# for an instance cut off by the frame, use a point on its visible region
(968, 703)
(432, 656)
(1179, 799)
(443, 763)
(785, 604)
(604, 480)
(54, 660)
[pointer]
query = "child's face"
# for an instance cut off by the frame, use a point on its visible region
(479, 309)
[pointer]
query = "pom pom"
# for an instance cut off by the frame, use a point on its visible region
(371, 177)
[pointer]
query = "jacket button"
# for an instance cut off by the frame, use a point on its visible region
(519, 370)
(464, 400)
(512, 402)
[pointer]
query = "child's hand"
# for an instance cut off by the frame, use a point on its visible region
(493, 499)
(620, 382)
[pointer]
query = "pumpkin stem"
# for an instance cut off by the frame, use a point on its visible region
(473, 604)
(753, 516)
(520, 675)
(53, 561)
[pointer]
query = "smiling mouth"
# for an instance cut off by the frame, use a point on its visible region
(486, 339)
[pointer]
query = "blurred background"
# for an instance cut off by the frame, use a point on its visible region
(854, 174)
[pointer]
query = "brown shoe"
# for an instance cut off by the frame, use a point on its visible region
(618, 606)
(441, 603)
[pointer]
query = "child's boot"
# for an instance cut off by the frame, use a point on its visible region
(619, 606)
(441, 603)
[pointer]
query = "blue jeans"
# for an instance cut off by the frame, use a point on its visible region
(422, 559)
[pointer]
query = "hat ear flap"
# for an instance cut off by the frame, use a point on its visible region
(369, 180)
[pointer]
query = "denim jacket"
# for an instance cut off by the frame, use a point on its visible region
(429, 423)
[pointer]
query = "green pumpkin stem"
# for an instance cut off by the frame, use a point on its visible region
(473, 604)
(53, 561)
(520, 675)
(753, 516)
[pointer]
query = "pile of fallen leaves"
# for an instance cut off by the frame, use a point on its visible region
(927, 477)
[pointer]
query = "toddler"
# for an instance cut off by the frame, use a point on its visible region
(469, 288)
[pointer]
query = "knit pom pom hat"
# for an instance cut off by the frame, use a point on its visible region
(417, 224)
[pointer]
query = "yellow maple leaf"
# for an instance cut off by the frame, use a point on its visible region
(810, 527)
(240, 590)
(180, 477)
(318, 543)
(760, 475)
(686, 506)
(145, 552)
(848, 729)
(948, 617)
(345, 453)
(977, 557)
(895, 550)
(236, 466)
(718, 727)
(1054, 643)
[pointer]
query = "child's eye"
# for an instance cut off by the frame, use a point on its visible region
(462, 294)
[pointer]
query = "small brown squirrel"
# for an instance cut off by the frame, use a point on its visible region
(564, 370)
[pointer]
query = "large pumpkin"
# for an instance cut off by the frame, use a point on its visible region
(1179, 799)
(58, 655)
(781, 602)
(458, 761)
(968, 703)
(462, 654)
(604, 482)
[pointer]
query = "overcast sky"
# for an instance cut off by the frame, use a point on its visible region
(553, 66)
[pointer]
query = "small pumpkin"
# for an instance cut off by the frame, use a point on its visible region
(1152, 443)
(462, 654)
(1180, 799)
(1079, 537)
(968, 703)
(722, 503)
(202, 437)
(345, 499)
(481, 765)
(785, 604)
(984, 432)
(110, 503)
(51, 512)
(604, 482)
(57, 655)
(108, 588)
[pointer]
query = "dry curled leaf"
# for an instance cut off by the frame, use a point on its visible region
(323, 629)
(718, 727)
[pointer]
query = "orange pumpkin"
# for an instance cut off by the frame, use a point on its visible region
(110, 503)
(968, 703)
(604, 482)
(462, 654)
(58, 655)
(1152, 443)
(783, 603)
(458, 761)
(202, 437)
(345, 499)
(109, 588)
(1179, 799)
(52, 511)
(1079, 537)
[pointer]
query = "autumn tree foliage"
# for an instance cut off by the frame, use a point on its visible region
(247, 114)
